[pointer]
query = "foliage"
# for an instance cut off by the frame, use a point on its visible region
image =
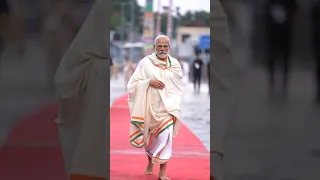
(116, 13)
(115, 21)
(183, 19)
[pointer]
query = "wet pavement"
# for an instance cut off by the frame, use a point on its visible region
(271, 139)
(117, 88)
(195, 112)
(274, 139)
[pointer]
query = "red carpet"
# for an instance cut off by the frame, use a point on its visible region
(190, 159)
(32, 150)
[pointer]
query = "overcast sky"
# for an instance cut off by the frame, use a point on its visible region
(185, 5)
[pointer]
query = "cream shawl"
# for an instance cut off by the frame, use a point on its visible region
(143, 120)
(83, 91)
(223, 106)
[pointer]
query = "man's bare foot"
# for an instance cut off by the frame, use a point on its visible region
(149, 169)
(163, 177)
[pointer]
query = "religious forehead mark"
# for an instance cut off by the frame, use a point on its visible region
(163, 41)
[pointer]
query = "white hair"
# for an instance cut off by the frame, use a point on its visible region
(161, 36)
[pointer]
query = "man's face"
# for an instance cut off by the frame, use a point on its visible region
(162, 47)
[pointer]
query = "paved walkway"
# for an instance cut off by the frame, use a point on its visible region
(274, 140)
(271, 140)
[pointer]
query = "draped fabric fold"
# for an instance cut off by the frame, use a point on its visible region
(223, 106)
(83, 92)
(222, 71)
(147, 121)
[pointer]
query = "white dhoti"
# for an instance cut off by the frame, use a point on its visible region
(160, 148)
(159, 145)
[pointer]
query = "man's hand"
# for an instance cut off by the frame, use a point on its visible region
(156, 84)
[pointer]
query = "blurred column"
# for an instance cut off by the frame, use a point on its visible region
(176, 23)
(148, 28)
(132, 18)
(158, 27)
(122, 22)
(169, 21)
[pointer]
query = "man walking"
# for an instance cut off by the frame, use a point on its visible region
(128, 69)
(280, 19)
(155, 95)
(197, 71)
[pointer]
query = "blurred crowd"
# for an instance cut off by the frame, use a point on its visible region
(275, 48)
(54, 23)
(283, 34)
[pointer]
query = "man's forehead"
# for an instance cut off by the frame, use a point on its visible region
(162, 41)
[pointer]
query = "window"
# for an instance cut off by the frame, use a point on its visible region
(185, 36)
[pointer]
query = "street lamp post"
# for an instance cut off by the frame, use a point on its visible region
(170, 21)
(178, 18)
(123, 4)
(132, 14)
(158, 27)
(122, 22)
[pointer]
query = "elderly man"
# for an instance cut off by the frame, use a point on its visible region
(155, 94)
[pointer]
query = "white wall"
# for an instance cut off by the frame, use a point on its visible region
(195, 32)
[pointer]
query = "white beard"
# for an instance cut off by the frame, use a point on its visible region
(162, 55)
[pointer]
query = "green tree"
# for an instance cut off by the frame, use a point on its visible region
(115, 21)
(182, 20)
(116, 13)
(202, 15)
(195, 16)
(187, 17)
